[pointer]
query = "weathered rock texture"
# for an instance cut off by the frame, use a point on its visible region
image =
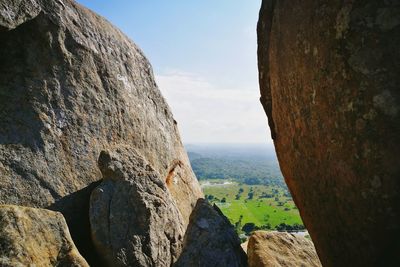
(275, 249)
(36, 237)
(330, 77)
(210, 240)
(72, 85)
(133, 218)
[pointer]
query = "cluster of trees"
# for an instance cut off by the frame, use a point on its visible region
(250, 172)
(239, 194)
(250, 195)
(266, 195)
(250, 227)
(283, 227)
(213, 198)
(275, 194)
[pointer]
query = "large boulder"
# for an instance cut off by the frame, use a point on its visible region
(330, 77)
(278, 249)
(210, 240)
(72, 85)
(36, 237)
(134, 220)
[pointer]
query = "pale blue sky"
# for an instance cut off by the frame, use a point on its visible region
(204, 57)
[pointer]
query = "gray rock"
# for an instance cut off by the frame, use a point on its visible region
(36, 237)
(72, 85)
(134, 220)
(15, 12)
(210, 240)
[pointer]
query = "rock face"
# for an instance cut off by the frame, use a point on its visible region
(133, 218)
(72, 85)
(36, 237)
(210, 240)
(275, 249)
(330, 76)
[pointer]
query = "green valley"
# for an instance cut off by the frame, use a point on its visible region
(246, 184)
(268, 207)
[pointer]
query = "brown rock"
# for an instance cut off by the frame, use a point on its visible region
(210, 240)
(72, 85)
(330, 78)
(134, 220)
(278, 249)
(36, 237)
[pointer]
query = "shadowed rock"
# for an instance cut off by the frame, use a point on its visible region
(275, 249)
(134, 220)
(210, 240)
(330, 77)
(75, 208)
(36, 237)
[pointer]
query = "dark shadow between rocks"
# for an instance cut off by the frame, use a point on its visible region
(75, 208)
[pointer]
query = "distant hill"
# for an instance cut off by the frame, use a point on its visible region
(250, 164)
(194, 155)
(233, 151)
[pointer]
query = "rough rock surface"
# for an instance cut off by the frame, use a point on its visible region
(210, 240)
(36, 237)
(133, 218)
(275, 249)
(330, 77)
(72, 85)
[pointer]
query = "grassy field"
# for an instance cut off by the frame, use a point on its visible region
(268, 204)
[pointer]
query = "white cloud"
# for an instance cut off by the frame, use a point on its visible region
(207, 113)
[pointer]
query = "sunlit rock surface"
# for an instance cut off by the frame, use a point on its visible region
(36, 237)
(330, 77)
(276, 249)
(72, 85)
